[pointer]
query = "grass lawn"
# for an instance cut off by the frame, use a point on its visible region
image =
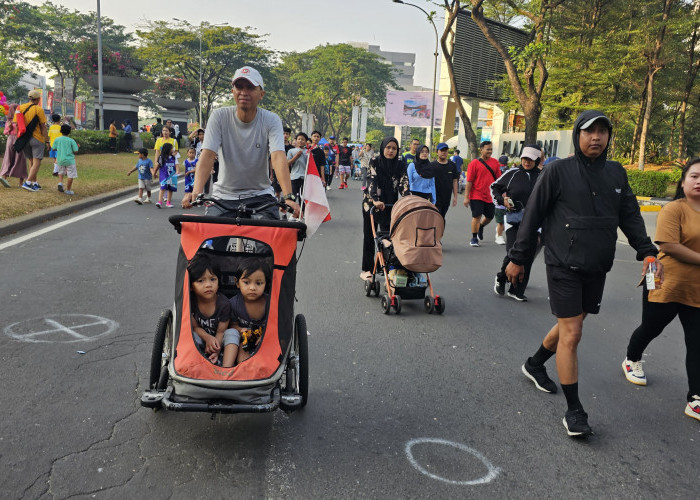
(97, 174)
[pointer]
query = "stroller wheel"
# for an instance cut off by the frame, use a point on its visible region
(369, 287)
(397, 304)
(377, 288)
(439, 305)
(429, 304)
(160, 356)
(386, 304)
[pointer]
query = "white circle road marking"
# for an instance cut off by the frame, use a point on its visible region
(492, 471)
(65, 328)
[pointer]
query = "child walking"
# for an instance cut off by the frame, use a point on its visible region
(167, 175)
(248, 311)
(54, 133)
(145, 169)
(65, 159)
(190, 166)
(210, 309)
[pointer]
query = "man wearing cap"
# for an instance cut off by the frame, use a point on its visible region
(34, 150)
(481, 173)
(446, 180)
(580, 202)
(244, 137)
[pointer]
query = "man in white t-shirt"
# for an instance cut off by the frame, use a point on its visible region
(245, 137)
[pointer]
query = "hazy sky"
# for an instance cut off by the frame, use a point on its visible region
(297, 25)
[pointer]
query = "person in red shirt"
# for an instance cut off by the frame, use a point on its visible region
(481, 173)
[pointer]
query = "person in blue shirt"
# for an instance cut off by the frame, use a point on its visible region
(126, 127)
(421, 175)
(457, 160)
(145, 169)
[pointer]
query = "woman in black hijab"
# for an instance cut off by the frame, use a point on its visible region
(386, 180)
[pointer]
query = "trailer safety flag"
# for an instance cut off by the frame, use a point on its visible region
(316, 209)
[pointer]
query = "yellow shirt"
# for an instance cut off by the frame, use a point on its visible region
(678, 222)
(112, 131)
(159, 144)
(54, 131)
(34, 111)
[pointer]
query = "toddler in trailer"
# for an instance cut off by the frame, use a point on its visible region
(167, 175)
(190, 166)
(145, 169)
(248, 311)
(210, 309)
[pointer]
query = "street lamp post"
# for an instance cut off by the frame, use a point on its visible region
(432, 110)
(100, 86)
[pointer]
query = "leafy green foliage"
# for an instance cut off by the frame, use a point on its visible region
(328, 81)
(649, 183)
(172, 52)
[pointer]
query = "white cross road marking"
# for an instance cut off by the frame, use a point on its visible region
(65, 325)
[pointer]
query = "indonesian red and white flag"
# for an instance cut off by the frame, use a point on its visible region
(316, 208)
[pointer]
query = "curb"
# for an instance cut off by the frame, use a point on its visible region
(649, 204)
(25, 221)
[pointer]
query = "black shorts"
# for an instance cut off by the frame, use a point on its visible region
(480, 208)
(572, 293)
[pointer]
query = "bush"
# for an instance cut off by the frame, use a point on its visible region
(649, 183)
(3, 143)
(149, 142)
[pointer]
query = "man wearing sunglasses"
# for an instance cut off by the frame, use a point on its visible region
(245, 137)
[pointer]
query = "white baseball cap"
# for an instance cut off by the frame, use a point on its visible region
(250, 74)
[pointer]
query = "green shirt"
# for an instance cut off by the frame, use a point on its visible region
(65, 147)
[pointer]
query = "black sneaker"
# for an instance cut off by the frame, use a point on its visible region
(499, 288)
(481, 232)
(538, 374)
(519, 297)
(576, 423)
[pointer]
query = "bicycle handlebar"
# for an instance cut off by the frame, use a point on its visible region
(242, 209)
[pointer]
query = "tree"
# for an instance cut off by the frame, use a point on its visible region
(49, 34)
(654, 65)
(328, 81)
(172, 52)
(693, 64)
(10, 75)
(526, 69)
(452, 9)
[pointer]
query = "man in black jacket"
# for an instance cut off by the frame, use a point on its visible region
(579, 202)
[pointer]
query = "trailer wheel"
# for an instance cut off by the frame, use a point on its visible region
(162, 350)
(297, 373)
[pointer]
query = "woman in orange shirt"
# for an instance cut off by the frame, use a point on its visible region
(678, 237)
(113, 137)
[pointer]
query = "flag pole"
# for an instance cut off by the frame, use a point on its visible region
(303, 186)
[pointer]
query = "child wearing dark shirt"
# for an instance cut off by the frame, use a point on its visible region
(211, 311)
(248, 311)
(167, 175)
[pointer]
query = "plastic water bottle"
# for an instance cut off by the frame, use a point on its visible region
(652, 281)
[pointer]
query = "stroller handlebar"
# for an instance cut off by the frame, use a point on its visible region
(242, 209)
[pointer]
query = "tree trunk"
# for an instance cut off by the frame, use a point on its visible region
(654, 65)
(673, 133)
(532, 118)
(640, 117)
(645, 121)
(694, 65)
(448, 52)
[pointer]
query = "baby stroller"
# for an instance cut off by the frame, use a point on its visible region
(407, 253)
(276, 375)
(356, 171)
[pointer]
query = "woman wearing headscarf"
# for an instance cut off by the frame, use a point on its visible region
(13, 163)
(512, 190)
(386, 181)
(421, 175)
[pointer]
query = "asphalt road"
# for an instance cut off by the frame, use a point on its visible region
(406, 406)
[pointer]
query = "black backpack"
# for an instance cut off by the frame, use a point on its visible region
(24, 139)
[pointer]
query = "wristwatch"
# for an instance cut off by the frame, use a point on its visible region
(288, 197)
